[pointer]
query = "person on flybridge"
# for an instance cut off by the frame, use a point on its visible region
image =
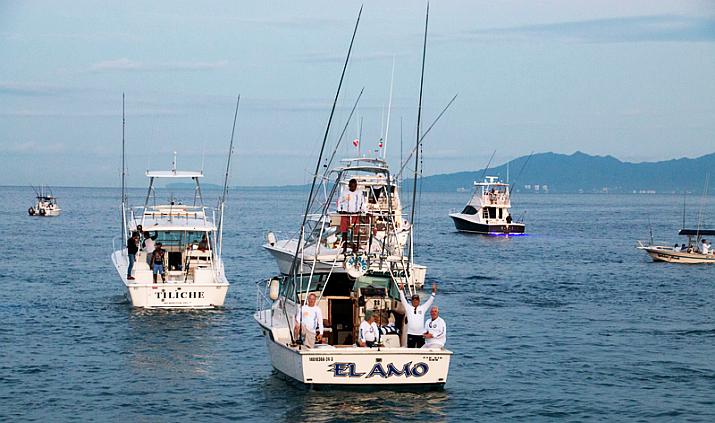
(415, 317)
(350, 202)
(308, 321)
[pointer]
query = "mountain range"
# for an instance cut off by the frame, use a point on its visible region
(582, 173)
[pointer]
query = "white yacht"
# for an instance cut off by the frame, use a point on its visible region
(322, 247)
(692, 253)
(46, 204)
(194, 272)
(375, 269)
(191, 236)
(488, 210)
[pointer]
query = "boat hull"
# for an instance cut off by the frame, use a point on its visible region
(175, 293)
(663, 254)
(354, 366)
(464, 224)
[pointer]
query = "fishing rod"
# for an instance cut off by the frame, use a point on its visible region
(419, 118)
(519, 174)
(423, 135)
(317, 169)
(37, 194)
(650, 229)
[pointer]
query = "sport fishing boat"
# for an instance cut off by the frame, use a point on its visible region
(346, 298)
(191, 236)
(692, 253)
(488, 210)
(46, 203)
(323, 248)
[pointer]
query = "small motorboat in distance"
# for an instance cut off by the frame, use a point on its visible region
(46, 203)
(488, 210)
(693, 252)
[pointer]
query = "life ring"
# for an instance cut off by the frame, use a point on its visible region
(31, 211)
(42, 212)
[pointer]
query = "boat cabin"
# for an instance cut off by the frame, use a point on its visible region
(345, 301)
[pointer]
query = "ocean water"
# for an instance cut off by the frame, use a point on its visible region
(570, 323)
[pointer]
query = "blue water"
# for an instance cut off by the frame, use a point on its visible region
(570, 323)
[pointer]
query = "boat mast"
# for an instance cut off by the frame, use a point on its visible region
(419, 117)
(124, 214)
(225, 181)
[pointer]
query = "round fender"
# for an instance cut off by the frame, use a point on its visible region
(31, 211)
(42, 212)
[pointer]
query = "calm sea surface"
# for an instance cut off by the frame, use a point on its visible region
(570, 323)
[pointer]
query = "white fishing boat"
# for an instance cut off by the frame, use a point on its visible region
(46, 204)
(691, 254)
(487, 212)
(323, 248)
(191, 236)
(346, 298)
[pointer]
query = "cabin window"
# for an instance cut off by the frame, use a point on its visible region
(492, 212)
(469, 210)
(500, 213)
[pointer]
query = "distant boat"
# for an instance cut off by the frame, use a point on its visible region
(46, 203)
(692, 253)
(488, 210)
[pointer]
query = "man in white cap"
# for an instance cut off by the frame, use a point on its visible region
(435, 330)
(368, 331)
(415, 317)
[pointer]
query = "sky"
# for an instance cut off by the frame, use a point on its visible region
(634, 80)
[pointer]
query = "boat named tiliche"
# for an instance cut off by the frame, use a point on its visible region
(193, 271)
(488, 210)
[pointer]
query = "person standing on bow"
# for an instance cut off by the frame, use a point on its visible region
(351, 203)
(415, 317)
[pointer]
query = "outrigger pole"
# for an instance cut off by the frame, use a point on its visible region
(225, 181)
(419, 118)
(124, 214)
(317, 169)
(422, 138)
(519, 174)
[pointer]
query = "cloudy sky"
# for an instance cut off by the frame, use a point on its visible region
(632, 79)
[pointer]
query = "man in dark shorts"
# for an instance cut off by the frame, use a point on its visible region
(350, 203)
(157, 261)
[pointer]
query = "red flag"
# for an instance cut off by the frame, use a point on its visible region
(355, 143)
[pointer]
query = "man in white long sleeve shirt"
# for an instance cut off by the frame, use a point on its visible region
(435, 330)
(415, 317)
(350, 202)
(308, 321)
(368, 330)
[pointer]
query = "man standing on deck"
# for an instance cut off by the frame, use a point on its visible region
(132, 249)
(435, 330)
(705, 247)
(308, 321)
(368, 331)
(148, 247)
(157, 262)
(350, 202)
(415, 317)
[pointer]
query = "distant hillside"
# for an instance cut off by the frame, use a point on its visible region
(579, 172)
